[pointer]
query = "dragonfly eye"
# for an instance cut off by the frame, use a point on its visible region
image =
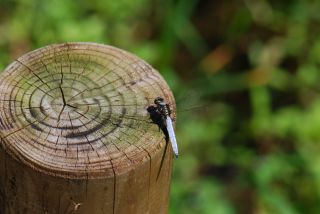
(158, 100)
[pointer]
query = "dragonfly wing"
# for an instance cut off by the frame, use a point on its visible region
(172, 136)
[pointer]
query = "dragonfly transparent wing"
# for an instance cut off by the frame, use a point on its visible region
(172, 136)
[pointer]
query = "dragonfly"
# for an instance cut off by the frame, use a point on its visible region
(163, 109)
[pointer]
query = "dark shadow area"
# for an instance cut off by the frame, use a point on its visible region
(157, 119)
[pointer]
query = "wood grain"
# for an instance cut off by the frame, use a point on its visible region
(76, 136)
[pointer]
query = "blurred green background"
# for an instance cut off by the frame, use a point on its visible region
(248, 70)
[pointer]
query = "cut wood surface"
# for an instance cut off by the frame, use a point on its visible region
(76, 136)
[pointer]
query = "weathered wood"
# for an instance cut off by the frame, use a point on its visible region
(76, 136)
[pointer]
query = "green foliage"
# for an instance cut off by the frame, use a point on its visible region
(254, 65)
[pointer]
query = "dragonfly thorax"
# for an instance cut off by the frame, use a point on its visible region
(162, 107)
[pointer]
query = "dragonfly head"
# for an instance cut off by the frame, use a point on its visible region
(158, 101)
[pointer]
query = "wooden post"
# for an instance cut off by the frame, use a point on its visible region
(76, 136)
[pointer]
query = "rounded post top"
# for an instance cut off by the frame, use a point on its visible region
(79, 110)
